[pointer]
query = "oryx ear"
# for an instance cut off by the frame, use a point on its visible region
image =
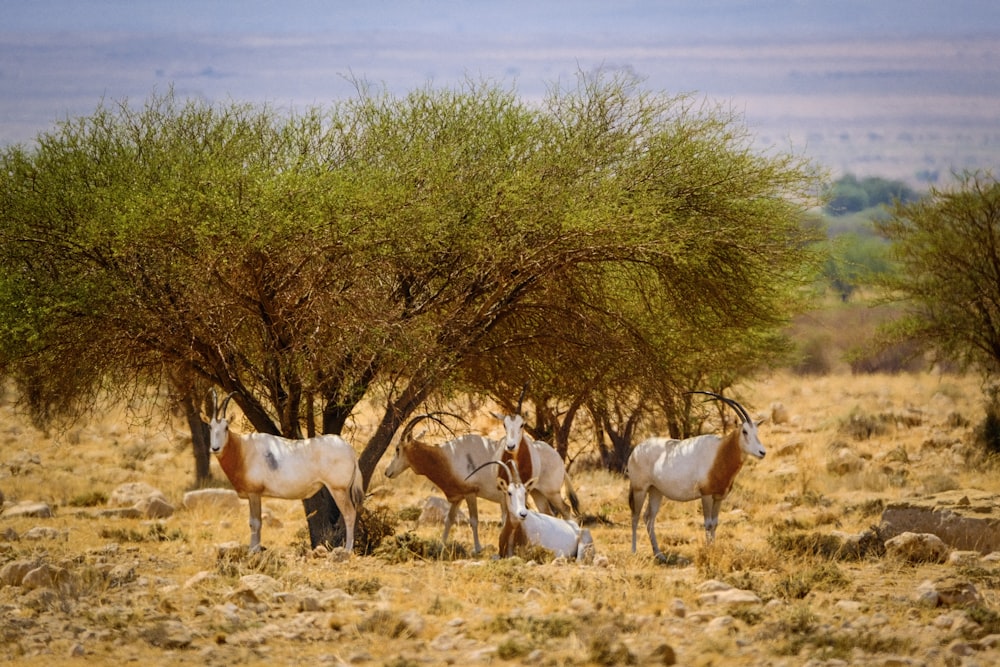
(502, 484)
(496, 416)
(530, 484)
(762, 421)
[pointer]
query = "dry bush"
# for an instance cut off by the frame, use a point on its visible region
(410, 546)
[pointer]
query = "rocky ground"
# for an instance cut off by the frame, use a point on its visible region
(867, 536)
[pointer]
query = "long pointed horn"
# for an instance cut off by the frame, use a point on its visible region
(429, 415)
(728, 401)
(215, 402)
(520, 399)
(499, 463)
(225, 404)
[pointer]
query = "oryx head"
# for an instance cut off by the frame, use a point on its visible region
(218, 426)
(749, 440)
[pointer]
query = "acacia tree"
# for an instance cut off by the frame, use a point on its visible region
(947, 253)
(386, 248)
(714, 262)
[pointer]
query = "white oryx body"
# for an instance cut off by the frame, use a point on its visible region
(455, 467)
(260, 464)
(537, 460)
(523, 527)
(704, 467)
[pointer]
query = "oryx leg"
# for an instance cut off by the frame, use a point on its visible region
(636, 498)
(710, 506)
(473, 504)
(255, 522)
(542, 503)
(348, 511)
(652, 509)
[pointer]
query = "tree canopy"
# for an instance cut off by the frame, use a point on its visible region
(610, 246)
(947, 250)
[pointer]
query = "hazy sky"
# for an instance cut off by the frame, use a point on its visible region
(837, 76)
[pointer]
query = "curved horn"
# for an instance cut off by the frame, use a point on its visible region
(520, 399)
(499, 463)
(215, 402)
(225, 403)
(428, 415)
(728, 401)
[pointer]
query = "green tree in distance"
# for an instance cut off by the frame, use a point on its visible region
(947, 250)
(611, 247)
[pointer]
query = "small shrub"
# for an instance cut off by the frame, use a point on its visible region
(605, 648)
(89, 499)
(813, 356)
(385, 623)
(411, 513)
(513, 648)
(862, 426)
(410, 546)
(156, 532)
(988, 431)
(362, 586)
(539, 627)
(939, 483)
(239, 562)
(987, 619)
(135, 454)
(867, 508)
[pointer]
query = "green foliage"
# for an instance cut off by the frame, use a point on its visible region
(850, 195)
(947, 248)
(400, 246)
(855, 260)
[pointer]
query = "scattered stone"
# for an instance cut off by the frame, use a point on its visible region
(120, 513)
(721, 625)
(964, 558)
(663, 654)
(850, 606)
(730, 597)
(49, 576)
(917, 548)
(225, 500)
(262, 586)
(779, 413)
(22, 463)
(28, 509)
(168, 634)
(44, 533)
(957, 593)
(155, 507)
(788, 449)
(128, 495)
(12, 574)
(968, 520)
(844, 462)
(678, 608)
(435, 511)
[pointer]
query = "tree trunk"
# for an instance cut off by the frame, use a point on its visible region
(199, 441)
(323, 518)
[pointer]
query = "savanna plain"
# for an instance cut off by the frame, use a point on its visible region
(109, 588)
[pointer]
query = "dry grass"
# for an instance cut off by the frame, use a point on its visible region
(415, 601)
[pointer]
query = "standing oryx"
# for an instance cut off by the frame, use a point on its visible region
(261, 464)
(455, 467)
(700, 467)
